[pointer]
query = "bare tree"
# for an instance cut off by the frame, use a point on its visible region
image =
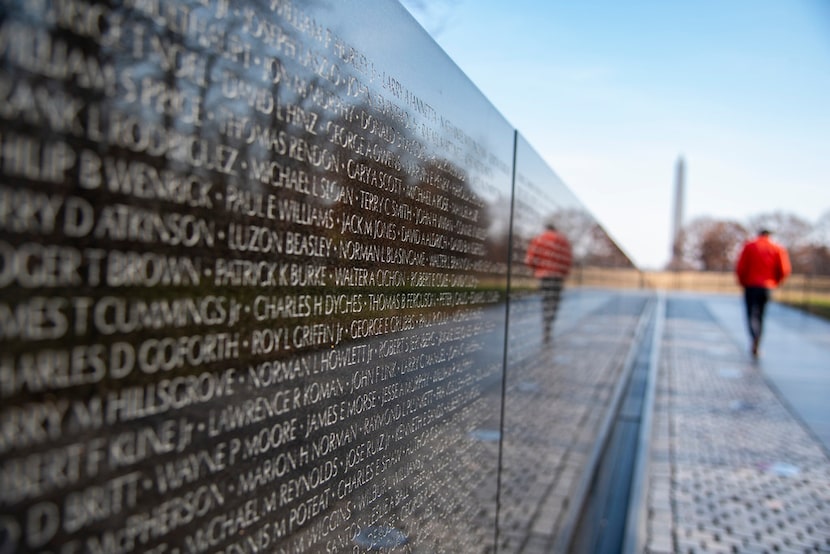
(592, 246)
(721, 244)
(710, 244)
(820, 236)
(792, 232)
(788, 229)
(820, 246)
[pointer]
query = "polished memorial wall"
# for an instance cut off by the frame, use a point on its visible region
(263, 289)
(561, 387)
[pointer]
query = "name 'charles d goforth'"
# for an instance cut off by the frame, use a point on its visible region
(258, 238)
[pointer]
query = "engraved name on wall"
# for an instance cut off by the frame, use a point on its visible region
(247, 282)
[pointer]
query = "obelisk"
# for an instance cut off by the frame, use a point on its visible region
(677, 224)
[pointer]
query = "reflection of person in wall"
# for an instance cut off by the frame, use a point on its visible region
(549, 255)
(762, 266)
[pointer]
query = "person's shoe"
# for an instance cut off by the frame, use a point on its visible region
(755, 348)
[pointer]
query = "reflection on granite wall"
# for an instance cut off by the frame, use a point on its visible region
(262, 289)
(566, 353)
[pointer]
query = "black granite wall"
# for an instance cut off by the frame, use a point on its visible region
(264, 288)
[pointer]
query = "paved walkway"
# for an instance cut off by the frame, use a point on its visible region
(738, 456)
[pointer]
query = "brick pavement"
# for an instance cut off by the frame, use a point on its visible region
(730, 468)
(558, 395)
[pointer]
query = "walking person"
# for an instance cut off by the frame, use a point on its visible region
(762, 266)
(549, 255)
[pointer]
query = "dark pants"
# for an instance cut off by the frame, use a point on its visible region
(551, 291)
(756, 299)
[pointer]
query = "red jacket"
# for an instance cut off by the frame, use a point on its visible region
(762, 263)
(549, 254)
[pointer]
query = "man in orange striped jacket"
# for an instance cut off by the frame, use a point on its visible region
(549, 255)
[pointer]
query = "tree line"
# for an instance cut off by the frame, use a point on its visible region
(711, 244)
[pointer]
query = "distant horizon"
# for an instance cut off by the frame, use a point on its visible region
(612, 94)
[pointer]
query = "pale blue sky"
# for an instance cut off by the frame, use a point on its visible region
(611, 93)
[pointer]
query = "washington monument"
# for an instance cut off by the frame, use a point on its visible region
(677, 223)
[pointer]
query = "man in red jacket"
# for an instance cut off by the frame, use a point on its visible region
(549, 255)
(761, 267)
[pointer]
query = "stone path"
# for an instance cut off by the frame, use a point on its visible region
(731, 468)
